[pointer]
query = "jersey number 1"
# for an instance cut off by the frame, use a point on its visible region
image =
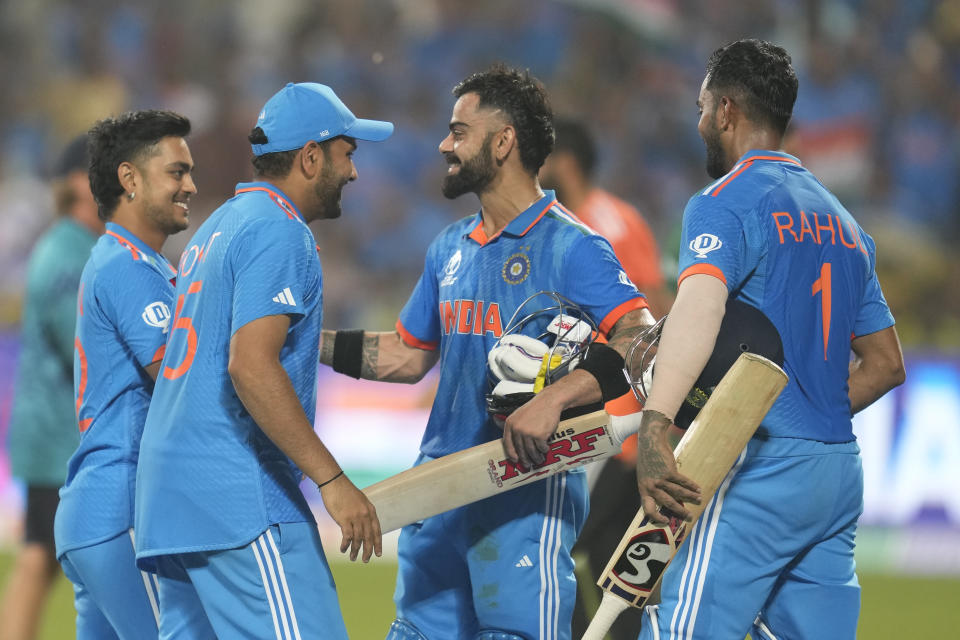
(822, 286)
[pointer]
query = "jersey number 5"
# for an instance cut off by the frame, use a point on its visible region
(185, 323)
(822, 286)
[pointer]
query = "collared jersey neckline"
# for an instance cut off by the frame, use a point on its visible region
(520, 225)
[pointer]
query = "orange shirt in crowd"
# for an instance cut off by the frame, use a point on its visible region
(633, 242)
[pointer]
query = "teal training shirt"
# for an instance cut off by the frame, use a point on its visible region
(43, 424)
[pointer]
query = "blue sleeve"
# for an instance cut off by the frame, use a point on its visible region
(713, 240)
(275, 271)
(874, 314)
(141, 308)
(596, 281)
(420, 317)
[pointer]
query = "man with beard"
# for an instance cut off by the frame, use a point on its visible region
(140, 176)
(220, 516)
(499, 568)
(773, 554)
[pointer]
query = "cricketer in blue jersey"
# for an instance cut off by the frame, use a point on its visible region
(140, 175)
(219, 514)
(772, 554)
(43, 431)
(501, 567)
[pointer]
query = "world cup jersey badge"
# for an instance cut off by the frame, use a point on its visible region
(516, 268)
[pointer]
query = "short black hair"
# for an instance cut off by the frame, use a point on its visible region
(129, 137)
(574, 137)
(276, 164)
(759, 76)
(524, 100)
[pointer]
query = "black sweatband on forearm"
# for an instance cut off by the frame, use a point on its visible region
(348, 352)
(606, 365)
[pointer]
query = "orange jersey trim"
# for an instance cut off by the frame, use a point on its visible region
(620, 311)
(413, 341)
(746, 165)
(707, 269)
(539, 217)
(279, 200)
(126, 243)
(731, 178)
(479, 236)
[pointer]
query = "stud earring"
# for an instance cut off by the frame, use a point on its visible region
(131, 195)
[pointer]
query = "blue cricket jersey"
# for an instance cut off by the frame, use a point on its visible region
(123, 312)
(784, 244)
(209, 478)
(471, 286)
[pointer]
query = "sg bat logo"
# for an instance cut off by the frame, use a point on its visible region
(647, 555)
(566, 448)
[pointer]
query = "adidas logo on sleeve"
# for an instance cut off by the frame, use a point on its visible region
(285, 297)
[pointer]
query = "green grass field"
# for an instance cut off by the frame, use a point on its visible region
(894, 607)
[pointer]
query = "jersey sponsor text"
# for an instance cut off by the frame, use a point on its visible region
(470, 317)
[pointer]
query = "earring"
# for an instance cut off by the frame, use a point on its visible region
(131, 195)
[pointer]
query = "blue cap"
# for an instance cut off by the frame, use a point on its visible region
(307, 111)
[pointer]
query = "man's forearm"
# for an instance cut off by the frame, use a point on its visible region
(369, 353)
(383, 356)
(688, 339)
(876, 368)
(268, 395)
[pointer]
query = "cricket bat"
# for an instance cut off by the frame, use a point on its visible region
(705, 454)
(484, 470)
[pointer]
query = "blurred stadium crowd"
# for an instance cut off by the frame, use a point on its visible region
(876, 118)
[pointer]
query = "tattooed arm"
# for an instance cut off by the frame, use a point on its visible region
(385, 357)
(658, 481)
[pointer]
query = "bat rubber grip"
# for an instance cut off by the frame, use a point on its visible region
(622, 427)
(610, 607)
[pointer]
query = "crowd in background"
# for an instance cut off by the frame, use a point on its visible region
(876, 117)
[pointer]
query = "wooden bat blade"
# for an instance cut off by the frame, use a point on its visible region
(705, 454)
(479, 472)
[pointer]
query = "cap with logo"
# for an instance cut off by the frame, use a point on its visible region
(307, 111)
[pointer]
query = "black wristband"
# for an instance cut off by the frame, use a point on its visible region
(606, 365)
(323, 484)
(348, 352)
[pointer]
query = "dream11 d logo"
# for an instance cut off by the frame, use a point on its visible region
(704, 244)
(567, 447)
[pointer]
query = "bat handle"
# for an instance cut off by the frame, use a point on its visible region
(610, 607)
(622, 427)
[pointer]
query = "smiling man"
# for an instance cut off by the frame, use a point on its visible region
(220, 514)
(498, 569)
(140, 175)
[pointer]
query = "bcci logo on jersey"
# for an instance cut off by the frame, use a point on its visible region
(452, 265)
(704, 244)
(157, 314)
(516, 268)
